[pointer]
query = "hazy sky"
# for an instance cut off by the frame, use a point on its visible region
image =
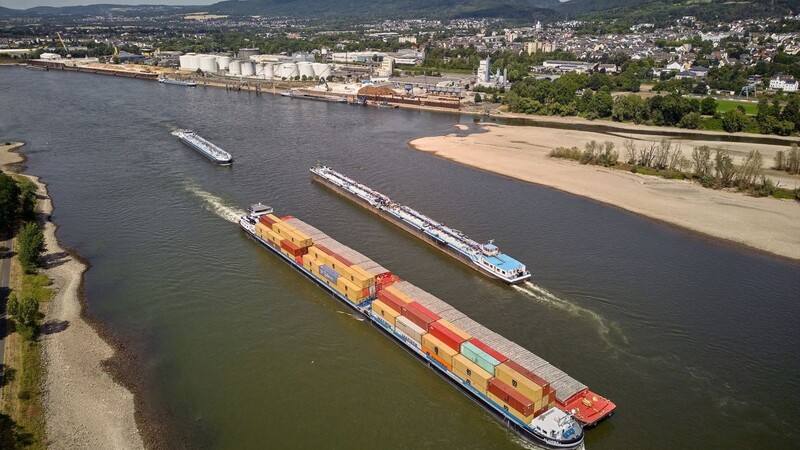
(25, 4)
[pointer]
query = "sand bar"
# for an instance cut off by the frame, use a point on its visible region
(84, 406)
(521, 152)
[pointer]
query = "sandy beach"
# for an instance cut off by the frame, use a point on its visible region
(84, 406)
(521, 152)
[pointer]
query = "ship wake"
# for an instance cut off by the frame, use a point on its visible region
(608, 331)
(215, 204)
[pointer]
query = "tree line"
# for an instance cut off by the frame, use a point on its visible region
(18, 213)
(713, 169)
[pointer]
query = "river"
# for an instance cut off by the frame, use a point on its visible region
(696, 340)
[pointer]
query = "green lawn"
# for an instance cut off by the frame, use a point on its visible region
(727, 105)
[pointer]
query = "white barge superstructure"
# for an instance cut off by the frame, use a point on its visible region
(486, 258)
(204, 147)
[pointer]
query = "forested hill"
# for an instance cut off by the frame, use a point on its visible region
(633, 11)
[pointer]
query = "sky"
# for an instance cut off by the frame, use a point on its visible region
(25, 4)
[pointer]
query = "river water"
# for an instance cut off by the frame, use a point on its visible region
(696, 340)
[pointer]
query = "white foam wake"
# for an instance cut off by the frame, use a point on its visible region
(215, 204)
(542, 295)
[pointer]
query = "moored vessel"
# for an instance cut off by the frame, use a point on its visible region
(204, 147)
(166, 80)
(485, 258)
(496, 373)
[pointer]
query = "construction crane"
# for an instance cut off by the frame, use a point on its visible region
(61, 39)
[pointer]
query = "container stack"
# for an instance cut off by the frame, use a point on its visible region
(512, 377)
(283, 236)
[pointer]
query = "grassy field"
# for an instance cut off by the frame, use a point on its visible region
(727, 105)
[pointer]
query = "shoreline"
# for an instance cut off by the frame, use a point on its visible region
(85, 403)
(763, 224)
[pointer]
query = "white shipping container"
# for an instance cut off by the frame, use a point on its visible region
(410, 329)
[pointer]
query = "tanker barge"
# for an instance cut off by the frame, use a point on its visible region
(204, 147)
(520, 389)
(485, 258)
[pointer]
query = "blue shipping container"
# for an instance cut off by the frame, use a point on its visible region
(328, 273)
(486, 361)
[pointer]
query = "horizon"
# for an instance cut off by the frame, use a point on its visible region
(26, 4)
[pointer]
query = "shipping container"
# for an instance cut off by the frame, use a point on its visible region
(478, 356)
(446, 335)
(328, 273)
(419, 315)
(410, 329)
(392, 300)
(489, 350)
(438, 350)
(393, 290)
(509, 408)
(361, 277)
(524, 381)
(384, 312)
(449, 325)
(293, 249)
(511, 396)
(469, 371)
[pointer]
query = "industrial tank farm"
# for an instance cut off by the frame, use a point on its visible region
(225, 65)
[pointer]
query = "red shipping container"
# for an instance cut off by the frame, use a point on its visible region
(420, 315)
(489, 350)
(391, 301)
(530, 375)
(510, 395)
(293, 249)
(447, 336)
(266, 221)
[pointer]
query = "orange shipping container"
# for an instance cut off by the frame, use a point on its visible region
(466, 336)
(438, 350)
(392, 290)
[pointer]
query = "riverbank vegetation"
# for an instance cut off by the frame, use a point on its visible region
(22, 423)
(711, 169)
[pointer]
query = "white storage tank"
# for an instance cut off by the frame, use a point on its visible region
(235, 68)
(321, 70)
(208, 63)
(259, 70)
(248, 70)
(223, 62)
(287, 70)
(269, 71)
(189, 61)
(305, 70)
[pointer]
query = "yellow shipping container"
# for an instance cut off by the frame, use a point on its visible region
(472, 372)
(261, 229)
(295, 237)
(274, 218)
(361, 277)
(439, 348)
(507, 407)
(399, 294)
(348, 288)
(318, 254)
(455, 329)
(385, 312)
(523, 385)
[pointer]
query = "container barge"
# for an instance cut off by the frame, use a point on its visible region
(525, 392)
(204, 147)
(485, 258)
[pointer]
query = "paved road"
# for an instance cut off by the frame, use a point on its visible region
(5, 276)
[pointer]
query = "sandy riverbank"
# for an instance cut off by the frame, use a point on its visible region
(84, 406)
(522, 152)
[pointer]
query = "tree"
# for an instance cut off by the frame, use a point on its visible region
(708, 106)
(9, 201)
(602, 103)
(780, 158)
(31, 245)
(27, 199)
(690, 121)
(701, 158)
(733, 121)
(478, 98)
(25, 312)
